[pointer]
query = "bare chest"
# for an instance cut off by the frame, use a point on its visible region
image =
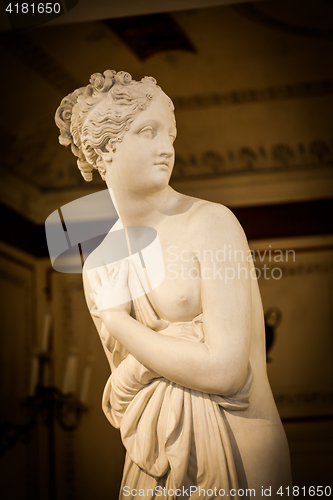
(177, 298)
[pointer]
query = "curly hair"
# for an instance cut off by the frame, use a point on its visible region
(92, 117)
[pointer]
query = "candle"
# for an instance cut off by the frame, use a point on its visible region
(34, 372)
(46, 332)
(70, 374)
(86, 381)
(46, 375)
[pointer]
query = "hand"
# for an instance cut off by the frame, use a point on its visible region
(110, 289)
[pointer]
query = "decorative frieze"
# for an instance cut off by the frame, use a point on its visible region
(280, 155)
(245, 96)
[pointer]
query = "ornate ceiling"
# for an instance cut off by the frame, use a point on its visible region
(252, 85)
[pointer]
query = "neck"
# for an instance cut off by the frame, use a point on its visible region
(149, 209)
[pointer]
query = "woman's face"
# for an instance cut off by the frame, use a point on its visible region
(143, 161)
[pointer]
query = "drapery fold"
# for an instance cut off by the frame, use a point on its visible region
(175, 437)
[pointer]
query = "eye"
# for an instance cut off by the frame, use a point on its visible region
(147, 131)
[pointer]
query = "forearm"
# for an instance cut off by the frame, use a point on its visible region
(185, 362)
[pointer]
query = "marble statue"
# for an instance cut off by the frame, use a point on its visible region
(189, 390)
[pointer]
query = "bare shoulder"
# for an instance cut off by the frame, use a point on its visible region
(95, 258)
(100, 255)
(203, 209)
(93, 261)
(215, 222)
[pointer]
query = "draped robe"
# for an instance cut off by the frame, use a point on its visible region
(175, 437)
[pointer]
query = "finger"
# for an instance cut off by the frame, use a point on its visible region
(94, 312)
(113, 273)
(123, 273)
(103, 274)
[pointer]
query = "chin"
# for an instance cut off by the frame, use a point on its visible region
(158, 183)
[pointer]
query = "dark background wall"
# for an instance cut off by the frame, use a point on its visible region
(252, 84)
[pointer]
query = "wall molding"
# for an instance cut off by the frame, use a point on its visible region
(299, 90)
(247, 159)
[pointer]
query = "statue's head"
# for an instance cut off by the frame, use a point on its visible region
(94, 118)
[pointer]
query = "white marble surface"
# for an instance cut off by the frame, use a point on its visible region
(189, 389)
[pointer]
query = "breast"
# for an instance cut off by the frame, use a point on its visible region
(178, 296)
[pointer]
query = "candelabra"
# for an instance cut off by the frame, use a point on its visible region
(48, 404)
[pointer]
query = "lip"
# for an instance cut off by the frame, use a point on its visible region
(162, 164)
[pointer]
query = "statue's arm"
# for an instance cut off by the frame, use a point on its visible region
(218, 365)
(226, 295)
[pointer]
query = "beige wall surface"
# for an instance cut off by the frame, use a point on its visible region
(253, 104)
(254, 113)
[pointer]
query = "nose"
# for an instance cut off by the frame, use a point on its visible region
(165, 147)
